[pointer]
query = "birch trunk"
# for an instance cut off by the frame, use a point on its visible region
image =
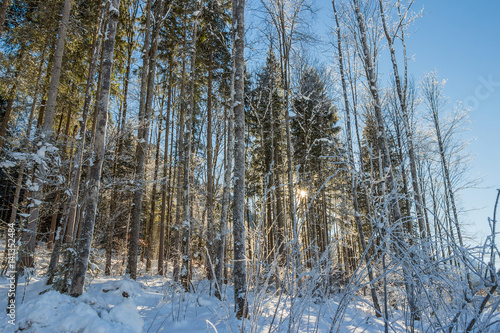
(221, 235)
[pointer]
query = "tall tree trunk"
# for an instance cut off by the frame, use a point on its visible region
(37, 91)
(28, 241)
(53, 222)
(164, 199)
(406, 201)
(56, 69)
(55, 239)
(170, 197)
(432, 92)
(179, 152)
(43, 102)
(142, 136)
(80, 144)
(238, 82)
(221, 235)
(210, 250)
(96, 98)
(285, 27)
(149, 248)
(84, 243)
(185, 274)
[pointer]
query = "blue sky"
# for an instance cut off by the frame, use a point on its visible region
(461, 40)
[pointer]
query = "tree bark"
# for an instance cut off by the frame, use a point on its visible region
(161, 249)
(80, 145)
(84, 244)
(185, 274)
(56, 69)
(121, 128)
(179, 152)
(149, 248)
(221, 235)
(238, 81)
(210, 250)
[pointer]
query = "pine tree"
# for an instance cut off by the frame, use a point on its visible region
(265, 114)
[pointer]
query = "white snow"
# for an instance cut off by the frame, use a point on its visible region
(7, 164)
(19, 156)
(126, 314)
(34, 188)
(41, 151)
(158, 304)
(55, 312)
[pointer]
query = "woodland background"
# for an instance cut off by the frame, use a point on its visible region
(135, 132)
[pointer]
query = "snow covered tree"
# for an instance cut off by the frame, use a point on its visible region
(84, 243)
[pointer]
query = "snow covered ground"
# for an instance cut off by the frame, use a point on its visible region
(157, 304)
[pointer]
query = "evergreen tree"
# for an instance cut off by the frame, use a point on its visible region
(265, 113)
(314, 132)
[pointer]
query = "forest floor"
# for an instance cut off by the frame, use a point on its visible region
(156, 304)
